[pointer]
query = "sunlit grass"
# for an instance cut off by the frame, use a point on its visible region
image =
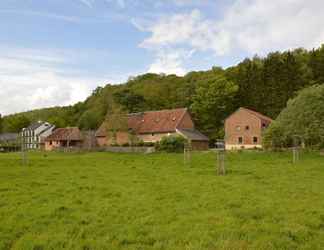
(133, 201)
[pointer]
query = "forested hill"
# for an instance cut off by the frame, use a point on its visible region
(262, 84)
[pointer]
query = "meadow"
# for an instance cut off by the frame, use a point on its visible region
(133, 201)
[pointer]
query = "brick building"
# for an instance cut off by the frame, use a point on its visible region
(244, 128)
(150, 126)
(63, 138)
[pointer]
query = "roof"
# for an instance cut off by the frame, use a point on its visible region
(163, 121)
(65, 134)
(193, 135)
(37, 124)
(252, 112)
(8, 136)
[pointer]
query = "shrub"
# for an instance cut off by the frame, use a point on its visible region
(302, 120)
(126, 144)
(171, 144)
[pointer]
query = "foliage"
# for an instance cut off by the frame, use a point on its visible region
(263, 84)
(1, 123)
(171, 144)
(127, 201)
(15, 123)
(212, 103)
(303, 118)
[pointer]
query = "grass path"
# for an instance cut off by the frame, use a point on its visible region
(129, 201)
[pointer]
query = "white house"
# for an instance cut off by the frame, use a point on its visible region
(34, 135)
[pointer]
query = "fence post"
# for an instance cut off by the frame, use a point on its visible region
(296, 144)
(220, 159)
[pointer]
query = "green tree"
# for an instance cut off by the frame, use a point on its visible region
(212, 103)
(303, 117)
(1, 123)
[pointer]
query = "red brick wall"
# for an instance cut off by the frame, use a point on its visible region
(242, 119)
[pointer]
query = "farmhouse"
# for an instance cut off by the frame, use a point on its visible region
(34, 135)
(63, 138)
(244, 128)
(150, 126)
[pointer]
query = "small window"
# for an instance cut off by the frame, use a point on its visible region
(255, 140)
(51, 143)
(247, 128)
(264, 125)
(240, 140)
(238, 128)
(153, 134)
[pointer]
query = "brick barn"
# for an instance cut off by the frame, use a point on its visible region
(150, 126)
(64, 138)
(244, 128)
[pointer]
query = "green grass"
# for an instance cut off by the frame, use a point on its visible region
(129, 201)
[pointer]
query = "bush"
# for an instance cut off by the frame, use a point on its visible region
(302, 120)
(171, 144)
(125, 144)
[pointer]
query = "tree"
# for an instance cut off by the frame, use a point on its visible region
(303, 117)
(1, 123)
(212, 103)
(89, 120)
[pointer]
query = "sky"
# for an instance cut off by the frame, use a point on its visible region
(56, 52)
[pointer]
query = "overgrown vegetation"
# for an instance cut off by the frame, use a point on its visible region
(171, 144)
(302, 120)
(262, 84)
(130, 201)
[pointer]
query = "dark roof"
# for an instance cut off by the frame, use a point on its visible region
(35, 125)
(8, 137)
(65, 134)
(193, 135)
(162, 121)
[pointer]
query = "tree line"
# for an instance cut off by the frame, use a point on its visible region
(264, 84)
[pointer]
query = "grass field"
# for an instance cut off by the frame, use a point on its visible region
(125, 201)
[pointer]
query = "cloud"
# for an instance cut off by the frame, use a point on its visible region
(88, 3)
(247, 26)
(170, 62)
(33, 79)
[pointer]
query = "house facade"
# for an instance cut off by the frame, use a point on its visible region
(33, 136)
(64, 138)
(244, 129)
(151, 127)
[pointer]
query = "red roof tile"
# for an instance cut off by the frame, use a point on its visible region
(65, 134)
(163, 121)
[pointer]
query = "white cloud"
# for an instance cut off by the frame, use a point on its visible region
(249, 26)
(30, 79)
(170, 62)
(88, 3)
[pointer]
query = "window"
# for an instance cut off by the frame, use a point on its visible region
(153, 134)
(264, 125)
(247, 127)
(255, 140)
(51, 143)
(238, 128)
(240, 140)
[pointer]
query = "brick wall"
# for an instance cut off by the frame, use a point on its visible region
(245, 125)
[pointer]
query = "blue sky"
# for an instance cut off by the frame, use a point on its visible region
(55, 52)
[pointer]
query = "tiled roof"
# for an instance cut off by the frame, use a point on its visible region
(65, 134)
(162, 121)
(193, 135)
